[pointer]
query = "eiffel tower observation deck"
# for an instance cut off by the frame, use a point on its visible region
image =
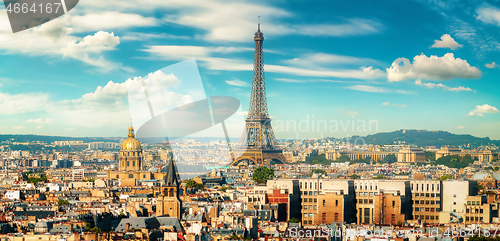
(258, 137)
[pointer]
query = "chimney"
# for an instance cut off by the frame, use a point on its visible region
(127, 227)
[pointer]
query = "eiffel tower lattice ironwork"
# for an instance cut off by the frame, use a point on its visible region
(258, 137)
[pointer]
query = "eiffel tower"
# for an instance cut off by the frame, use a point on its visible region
(258, 136)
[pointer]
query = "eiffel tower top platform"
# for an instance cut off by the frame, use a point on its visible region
(258, 137)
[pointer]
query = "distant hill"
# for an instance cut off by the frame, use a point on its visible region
(426, 138)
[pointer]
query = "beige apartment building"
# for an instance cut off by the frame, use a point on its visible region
(382, 201)
(426, 195)
(326, 201)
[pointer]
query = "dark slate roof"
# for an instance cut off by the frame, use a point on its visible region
(37, 214)
(170, 222)
(138, 222)
(61, 229)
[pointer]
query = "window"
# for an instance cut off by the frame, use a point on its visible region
(336, 217)
(305, 207)
(427, 187)
(432, 194)
(417, 209)
(117, 176)
(130, 175)
(393, 203)
(427, 194)
(481, 210)
(432, 209)
(324, 202)
(336, 202)
(370, 201)
(300, 185)
(416, 194)
(416, 202)
(320, 185)
(128, 163)
(454, 195)
(371, 193)
(310, 215)
(305, 214)
(432, 187)
(454, 203)
(143, 176)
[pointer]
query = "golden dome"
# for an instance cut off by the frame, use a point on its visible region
(131, 144)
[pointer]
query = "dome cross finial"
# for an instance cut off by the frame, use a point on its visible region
(131, 130)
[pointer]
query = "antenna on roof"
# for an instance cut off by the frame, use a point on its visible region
(259, 23)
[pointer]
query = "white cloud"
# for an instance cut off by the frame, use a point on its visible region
(216, 63)
(55, 38)
(174, 52)
(136, 36)
(109, 21)
(433, 67)
(442, 86)
(41, 121)
(491, 66)
(220, 22)
(481, 109)
(489, 14)
(460, 127)
(22, 103)
(237, 82)
(385, 103)
(349, 113)
(446, 42)
(368, 88)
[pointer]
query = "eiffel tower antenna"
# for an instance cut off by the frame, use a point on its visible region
(258, 137)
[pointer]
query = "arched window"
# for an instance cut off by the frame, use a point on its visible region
(128, 163)
(130, 175)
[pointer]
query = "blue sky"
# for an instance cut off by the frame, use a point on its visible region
(393, 64)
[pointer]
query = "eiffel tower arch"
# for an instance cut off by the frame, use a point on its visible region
(258, 137)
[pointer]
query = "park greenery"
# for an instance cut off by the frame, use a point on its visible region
(262, 174)
(294, 220)
(320, 171)
(445, 177)
(380, 176)
(36, 180)
(193, 184)
(62, 202)
(454, 161)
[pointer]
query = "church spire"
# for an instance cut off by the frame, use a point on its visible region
(131, 130)
(171, 179)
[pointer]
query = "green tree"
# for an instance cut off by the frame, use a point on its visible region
(262, 174)
(391, 158)
(294, 220)
(380, 176)
(320, 171)
(354, 176)
(62, 202)
(193, 184)
(430, 155)
(445, 177)
(95, 230)
(343, 158)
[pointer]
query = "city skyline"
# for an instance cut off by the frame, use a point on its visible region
(437, 73)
